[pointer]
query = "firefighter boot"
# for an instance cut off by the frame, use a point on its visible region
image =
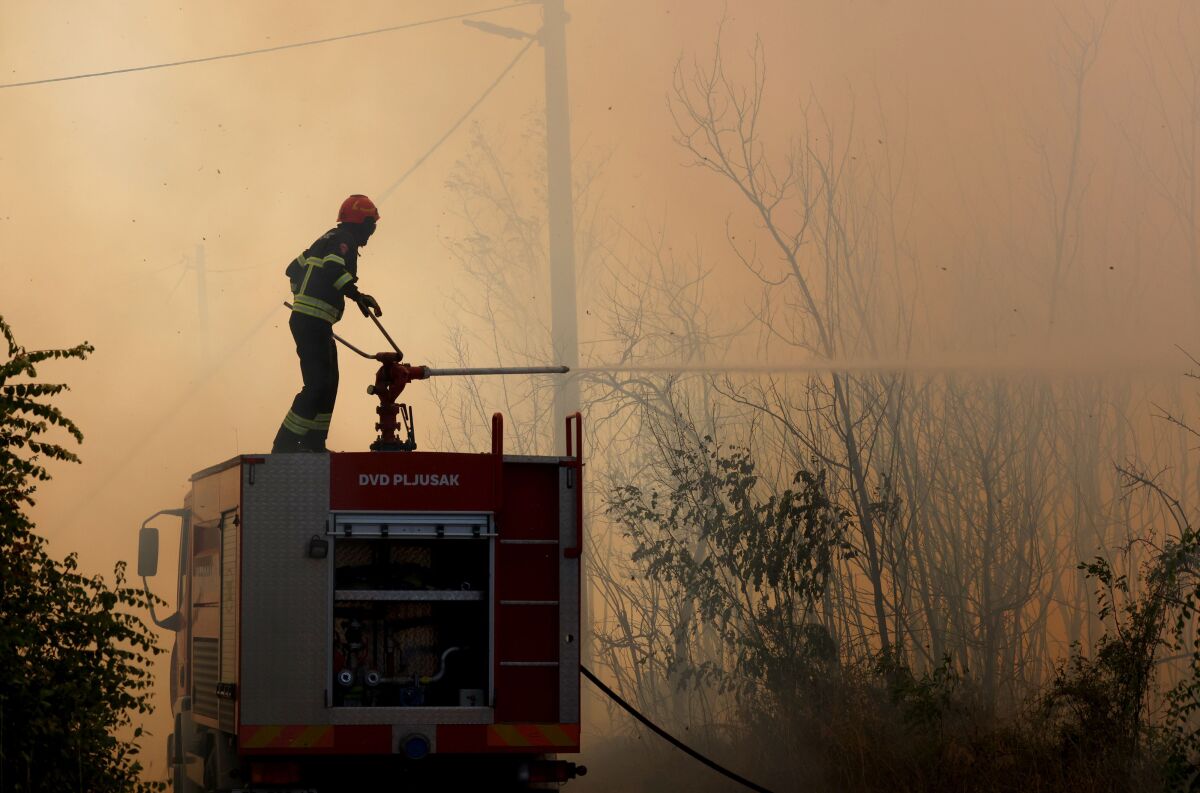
(287, 442)
(312, 442)
(314, 439)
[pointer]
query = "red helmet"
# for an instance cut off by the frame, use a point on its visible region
(356, 209)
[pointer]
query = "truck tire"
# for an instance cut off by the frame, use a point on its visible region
(177, 758)
(219, 761)
(210, 770)
(180, 782)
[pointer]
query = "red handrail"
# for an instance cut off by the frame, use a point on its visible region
(498, 454)
(575, 450)
(498, 434)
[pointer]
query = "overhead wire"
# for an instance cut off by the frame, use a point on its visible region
(212, 369)
(420, 160)
(203, 376)
(486, 93)
(417, 164)
(148, 432)
(175, 288)
(263, 50)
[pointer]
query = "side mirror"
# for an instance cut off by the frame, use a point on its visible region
(147, 565)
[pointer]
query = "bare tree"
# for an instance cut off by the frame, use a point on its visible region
(806, 199)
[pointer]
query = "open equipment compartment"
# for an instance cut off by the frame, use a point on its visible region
(410, 610)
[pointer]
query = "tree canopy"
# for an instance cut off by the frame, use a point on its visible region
(75, 660)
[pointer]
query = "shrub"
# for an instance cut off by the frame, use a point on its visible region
(74, 660)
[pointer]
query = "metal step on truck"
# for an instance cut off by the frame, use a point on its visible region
(376, 620)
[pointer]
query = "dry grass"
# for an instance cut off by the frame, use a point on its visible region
(879, 730)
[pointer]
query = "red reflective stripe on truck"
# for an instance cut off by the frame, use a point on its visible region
(286, 736)
(541, 736)
(507, 738)
(315, 739)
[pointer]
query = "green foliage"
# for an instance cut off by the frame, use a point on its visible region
(748, 566)
(1100, 705)
(926, 700)
(74, 660)
(897, 730)
(754, 564)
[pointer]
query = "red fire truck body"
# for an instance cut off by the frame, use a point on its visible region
(361, 620)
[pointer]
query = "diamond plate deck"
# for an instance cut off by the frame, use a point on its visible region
(285, 597)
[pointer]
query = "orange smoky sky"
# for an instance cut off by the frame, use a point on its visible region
(111, 187)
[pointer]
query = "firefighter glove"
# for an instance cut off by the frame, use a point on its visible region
(366, 303)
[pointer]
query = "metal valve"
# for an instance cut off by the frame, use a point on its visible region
(393, 376)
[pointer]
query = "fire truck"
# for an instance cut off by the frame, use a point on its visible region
(382, 620)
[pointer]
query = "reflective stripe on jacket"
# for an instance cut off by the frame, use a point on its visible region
(324, 275)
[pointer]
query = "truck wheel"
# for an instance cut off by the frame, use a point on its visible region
(211, 773)
(219, 762)
(179, 781)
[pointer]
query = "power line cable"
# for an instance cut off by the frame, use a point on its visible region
(175, 288)
(632, 711)
(166, 418)
(147, 433)
(263, 50)
(487, 92)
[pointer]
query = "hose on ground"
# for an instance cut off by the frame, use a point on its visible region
(632, 711)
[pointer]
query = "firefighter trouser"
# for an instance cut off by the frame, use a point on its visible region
(306, 425)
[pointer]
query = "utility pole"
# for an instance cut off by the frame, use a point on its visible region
(202, 298)
(563, 324)
(564, 328)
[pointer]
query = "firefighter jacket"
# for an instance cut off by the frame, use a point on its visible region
(324, 275)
